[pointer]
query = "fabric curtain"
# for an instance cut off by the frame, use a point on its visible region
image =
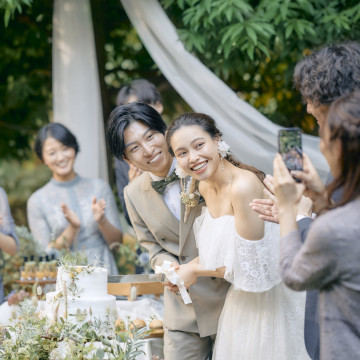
(252, 137)
(76, 89)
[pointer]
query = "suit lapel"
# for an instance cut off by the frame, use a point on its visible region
(161, 211)
(186, 227)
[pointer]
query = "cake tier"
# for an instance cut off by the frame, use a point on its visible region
(83, 281)
(80, 309)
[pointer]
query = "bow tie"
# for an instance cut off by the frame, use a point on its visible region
(160, 185)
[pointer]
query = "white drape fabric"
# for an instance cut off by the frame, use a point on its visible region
(76, 88)
(252, 137)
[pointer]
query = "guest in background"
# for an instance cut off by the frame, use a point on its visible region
(138, 90)
(9, 242)
(328, 260)
(70, 211)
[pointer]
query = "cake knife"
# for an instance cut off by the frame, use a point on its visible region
(136, 278)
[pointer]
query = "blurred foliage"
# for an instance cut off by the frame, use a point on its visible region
(127, 59)
(25, 78)
(20, 180)
(11, 6)
(254, 45)
(10, 265)
(25, 71)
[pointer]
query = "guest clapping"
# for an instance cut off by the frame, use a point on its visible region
(70, 211)
(8, 239)
(329, 258)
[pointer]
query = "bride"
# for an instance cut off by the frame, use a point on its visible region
(262, 319)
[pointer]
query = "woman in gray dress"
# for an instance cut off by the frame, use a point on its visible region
(71, 211)
(329, 258)
(8, 240)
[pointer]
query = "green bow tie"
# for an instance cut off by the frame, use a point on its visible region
(160, 185)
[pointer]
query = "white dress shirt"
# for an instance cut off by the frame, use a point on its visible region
(172, 192)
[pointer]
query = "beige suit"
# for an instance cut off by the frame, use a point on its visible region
(161, 234)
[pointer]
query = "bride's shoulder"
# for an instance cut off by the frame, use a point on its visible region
(246, 182)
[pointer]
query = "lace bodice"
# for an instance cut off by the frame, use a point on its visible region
(251, 266)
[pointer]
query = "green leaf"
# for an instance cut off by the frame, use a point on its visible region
(251, 33)
(100, 354)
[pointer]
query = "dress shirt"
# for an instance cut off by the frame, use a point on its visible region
(171, 194)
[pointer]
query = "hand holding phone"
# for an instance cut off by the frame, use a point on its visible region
(290, 148)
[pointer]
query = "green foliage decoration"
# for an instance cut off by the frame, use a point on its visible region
(31, 337)
(254, 45)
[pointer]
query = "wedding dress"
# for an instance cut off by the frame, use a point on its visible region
(261, 319)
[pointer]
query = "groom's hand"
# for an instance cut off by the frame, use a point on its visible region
(169, 285)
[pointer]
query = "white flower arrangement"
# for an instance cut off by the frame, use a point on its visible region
(223, 148)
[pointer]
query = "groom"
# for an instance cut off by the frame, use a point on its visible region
(135, 133)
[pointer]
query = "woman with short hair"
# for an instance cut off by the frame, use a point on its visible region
(71, 211)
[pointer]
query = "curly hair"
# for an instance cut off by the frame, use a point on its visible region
(329, 73)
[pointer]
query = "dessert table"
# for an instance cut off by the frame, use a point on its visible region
(143, 308)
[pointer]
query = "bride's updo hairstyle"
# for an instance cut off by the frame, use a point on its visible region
(208, 124)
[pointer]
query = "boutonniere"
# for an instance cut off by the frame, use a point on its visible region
(189, 195)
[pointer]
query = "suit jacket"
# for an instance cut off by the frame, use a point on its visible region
(168, 239)
(311, 329)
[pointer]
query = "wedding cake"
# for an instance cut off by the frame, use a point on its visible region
(81, 295)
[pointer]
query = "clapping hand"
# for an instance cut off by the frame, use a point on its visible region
(98, 209)
(267, 208)
(70, 216)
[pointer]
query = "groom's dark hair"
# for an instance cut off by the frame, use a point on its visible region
(122, 116)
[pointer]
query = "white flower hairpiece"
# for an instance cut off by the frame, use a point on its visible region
(223, 148)
(180, 172)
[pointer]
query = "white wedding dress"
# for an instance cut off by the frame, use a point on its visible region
(262, 319)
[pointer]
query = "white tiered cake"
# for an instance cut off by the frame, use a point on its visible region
(81, 295)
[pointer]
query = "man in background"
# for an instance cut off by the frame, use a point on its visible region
(138, 90)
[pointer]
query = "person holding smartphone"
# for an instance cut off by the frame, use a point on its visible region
(321, 78)
(328, 260)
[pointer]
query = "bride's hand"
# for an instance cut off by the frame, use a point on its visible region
(186, 273)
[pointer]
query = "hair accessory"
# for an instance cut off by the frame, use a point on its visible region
(180, 172)
(223, 148)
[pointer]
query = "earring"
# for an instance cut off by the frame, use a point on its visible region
(224, 150)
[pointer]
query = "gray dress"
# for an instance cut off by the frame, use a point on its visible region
(7, 227)
(47, 221)
(329, 261)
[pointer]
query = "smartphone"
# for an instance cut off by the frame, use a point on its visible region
(290, 148)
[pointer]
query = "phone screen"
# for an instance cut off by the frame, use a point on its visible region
(290, 148)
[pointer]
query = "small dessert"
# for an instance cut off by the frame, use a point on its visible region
(156, 324)
(137, 323)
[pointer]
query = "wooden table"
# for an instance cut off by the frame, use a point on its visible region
(132, 290)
